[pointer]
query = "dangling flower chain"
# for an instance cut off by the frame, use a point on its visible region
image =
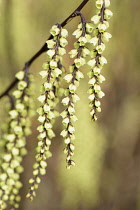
(97, 60)
(71, 98)
(49, 98)
(88, 49)
(15, 141)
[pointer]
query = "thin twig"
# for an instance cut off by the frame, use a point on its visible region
(44, 48)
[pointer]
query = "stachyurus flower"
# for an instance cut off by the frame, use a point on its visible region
(97, 59)
(52, 72)
(73, 78)
(18, 128)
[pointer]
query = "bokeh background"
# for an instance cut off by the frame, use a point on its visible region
(107, 154)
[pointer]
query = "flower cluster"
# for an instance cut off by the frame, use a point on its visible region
(73, 78)
(15, 140)
(52, 72)
(97, 59)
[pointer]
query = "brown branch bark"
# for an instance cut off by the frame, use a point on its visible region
(44, 47)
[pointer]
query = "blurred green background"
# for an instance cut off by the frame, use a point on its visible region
(107, 154)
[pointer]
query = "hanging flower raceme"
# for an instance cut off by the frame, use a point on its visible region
(14, 139)
(50, 89)
(73, 78)
(97, 59)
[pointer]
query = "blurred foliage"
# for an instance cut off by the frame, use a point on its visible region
(107, 155)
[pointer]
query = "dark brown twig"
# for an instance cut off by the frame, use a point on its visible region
(44, 47)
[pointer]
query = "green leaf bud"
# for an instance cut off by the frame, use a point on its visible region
(20, 75)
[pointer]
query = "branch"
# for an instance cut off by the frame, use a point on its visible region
(44, 47)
